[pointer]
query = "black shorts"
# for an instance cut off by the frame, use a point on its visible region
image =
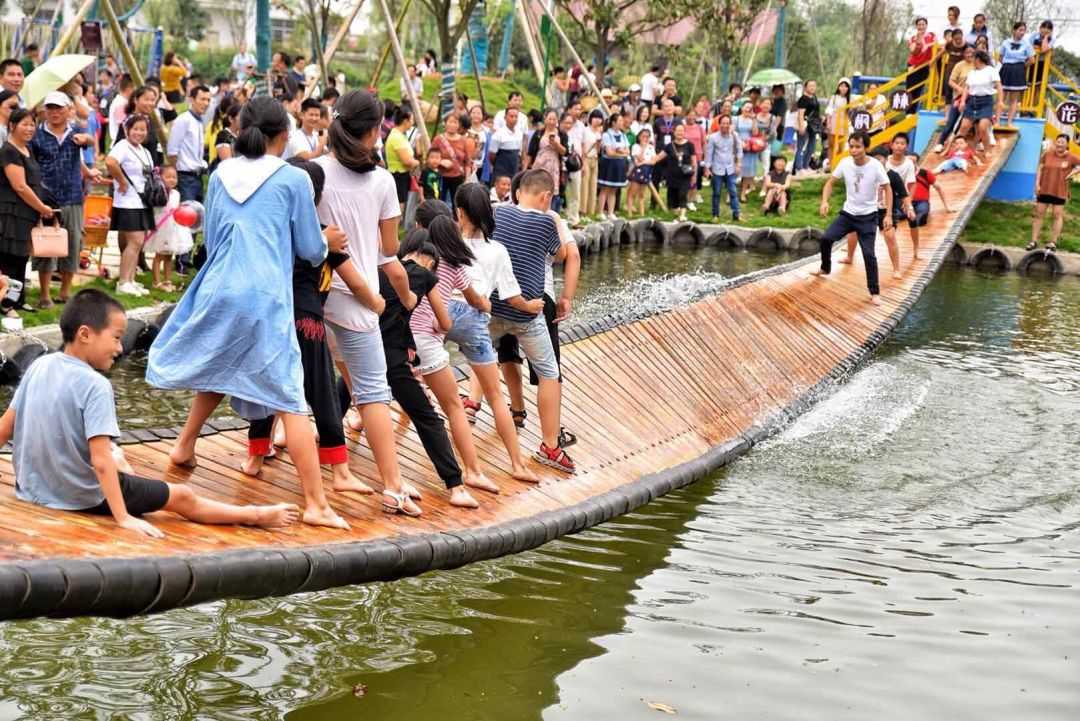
(402, 182)
(141, 495)
(1049, 199)
(896, 218)
(507, 347)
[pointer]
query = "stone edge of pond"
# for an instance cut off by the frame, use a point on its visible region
(126, 587)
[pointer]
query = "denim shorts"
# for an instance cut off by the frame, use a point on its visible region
(470, 332)
(363, 355)
(534, 342)
(431, 352)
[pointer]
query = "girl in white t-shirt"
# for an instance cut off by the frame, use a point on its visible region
(129, 164)
(168, 238)
(429, 324)
(361, 199)
(643, 154)
(490, 271)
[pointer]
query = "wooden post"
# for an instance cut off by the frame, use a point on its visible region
(129, 58)
(333, 46)
(386, 49)
(72, 28)
(400, 57)
(578, 60)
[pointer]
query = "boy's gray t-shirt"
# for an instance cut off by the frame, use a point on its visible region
(60, 405)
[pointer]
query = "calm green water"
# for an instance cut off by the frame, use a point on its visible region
(610, 282)
(907, 549)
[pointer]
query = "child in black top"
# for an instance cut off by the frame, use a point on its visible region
(311, 286)
(430, 180)
(420, 259)
(777, 185)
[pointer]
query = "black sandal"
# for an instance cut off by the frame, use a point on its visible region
(519, 417)
(566, 438)
(1051, 247)
(1031, 246)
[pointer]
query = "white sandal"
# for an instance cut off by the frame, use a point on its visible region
(398, 505)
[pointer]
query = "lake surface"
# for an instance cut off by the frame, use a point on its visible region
(909, 548)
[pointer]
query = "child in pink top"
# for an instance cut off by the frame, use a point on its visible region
(429, 324)
(958, 157)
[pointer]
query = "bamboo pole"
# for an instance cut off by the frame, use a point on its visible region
(475, 66)
(400, 57)
(530, 40)
(578, 60)
(697, 75)
(757, 44)
(129, 59)
(331, 49)
(72, 28)
(386, 48)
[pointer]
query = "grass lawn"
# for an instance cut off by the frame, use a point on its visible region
(496, 91)
(1010, 224)
(802, 210)
(52, 315)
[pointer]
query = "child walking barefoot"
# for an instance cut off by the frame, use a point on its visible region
(169, 238)
(490, 271)
(311, 285)
(430, 322)
(232, 332)
(65, 392)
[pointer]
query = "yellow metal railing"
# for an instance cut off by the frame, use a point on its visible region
(1053, 98)
(891, 121)
(932, 97)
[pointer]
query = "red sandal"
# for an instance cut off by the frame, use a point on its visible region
(557, 458)
(471, 407)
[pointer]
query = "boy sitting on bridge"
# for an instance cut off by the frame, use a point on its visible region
(63, 419)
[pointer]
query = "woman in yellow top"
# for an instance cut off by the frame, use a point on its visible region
(172, 74)
(400, 159)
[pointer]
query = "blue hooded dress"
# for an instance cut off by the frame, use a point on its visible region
(232, 331)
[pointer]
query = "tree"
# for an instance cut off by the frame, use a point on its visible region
(180, 19)
(449, 35)
(237, 14)
(726, 24)
(880, 36)
(1001, 14)
(606, 24)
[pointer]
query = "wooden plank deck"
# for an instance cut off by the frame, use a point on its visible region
(643, 396)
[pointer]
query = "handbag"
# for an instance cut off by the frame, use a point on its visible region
(49, 241)
(573, 162)
(754, 144)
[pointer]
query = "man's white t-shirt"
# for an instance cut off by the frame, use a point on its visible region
(356, 203)
(117, 113)
(906, 169)
(299, 142)
(862, 183)
(649, 85)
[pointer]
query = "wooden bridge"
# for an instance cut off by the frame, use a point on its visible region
(658, 403)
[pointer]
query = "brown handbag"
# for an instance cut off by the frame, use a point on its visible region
(49, 241)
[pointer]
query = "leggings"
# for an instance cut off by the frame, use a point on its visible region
(318, 391)
(449, 188)
(409, 394)
(14, 267)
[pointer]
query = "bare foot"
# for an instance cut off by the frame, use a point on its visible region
(183, 456)
(481, 482)
(897, 275)
(121, 462)
(918, 256)
(324, 516)
(282, 514)
(818, 273)
(460, 497)
(522, 473)
(354, 421)
(875, 299)
(279, 436)
(345, 482)
(252, 466)
(844, 261)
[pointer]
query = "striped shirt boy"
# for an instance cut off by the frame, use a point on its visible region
(529, 236)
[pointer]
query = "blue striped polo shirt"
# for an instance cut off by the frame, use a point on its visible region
(529, 236)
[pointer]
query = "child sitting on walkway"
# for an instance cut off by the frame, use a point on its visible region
(63, 419)
(958, 157)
